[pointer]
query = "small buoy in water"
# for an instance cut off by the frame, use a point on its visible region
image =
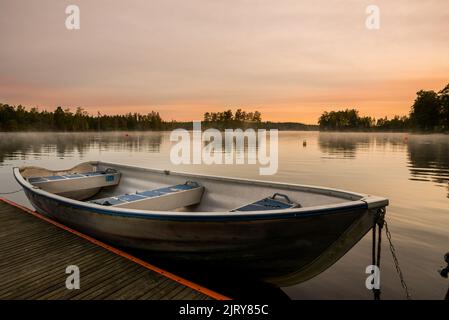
(304, 143)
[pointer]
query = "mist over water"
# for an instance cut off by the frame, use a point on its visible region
(411, 170)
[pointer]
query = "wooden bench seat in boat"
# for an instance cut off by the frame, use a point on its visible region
(162, 199)
(270, 203)
(82, 185)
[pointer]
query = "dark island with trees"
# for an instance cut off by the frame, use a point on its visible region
(429, 113)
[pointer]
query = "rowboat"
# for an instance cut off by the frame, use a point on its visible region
(283, 233)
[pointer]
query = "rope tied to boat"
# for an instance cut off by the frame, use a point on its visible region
(396, 263)
(379, 223)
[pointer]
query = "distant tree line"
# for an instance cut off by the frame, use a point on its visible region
(344, 119)
(19, 119)
(227, 119)
(429, 113)
(244, 120)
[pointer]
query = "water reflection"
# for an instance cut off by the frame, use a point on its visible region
(346, 145)
(429, 159)
(337, 146)
(428, 155)
(22, 146)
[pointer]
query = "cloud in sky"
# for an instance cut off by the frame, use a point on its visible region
(290, 59)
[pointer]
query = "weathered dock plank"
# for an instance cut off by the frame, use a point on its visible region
(35, 252)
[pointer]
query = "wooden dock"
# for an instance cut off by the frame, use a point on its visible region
(35, 252)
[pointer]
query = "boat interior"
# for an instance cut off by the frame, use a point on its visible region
(121, 186)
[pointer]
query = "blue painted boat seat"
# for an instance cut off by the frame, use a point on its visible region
(74, 184)
(151, 198)
(33, 180)
(269, 203)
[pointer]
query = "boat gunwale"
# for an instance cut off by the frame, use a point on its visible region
(365, 201)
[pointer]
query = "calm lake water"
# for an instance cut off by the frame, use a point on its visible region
(411, 170)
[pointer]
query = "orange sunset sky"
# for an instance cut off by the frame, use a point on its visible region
(289, 59)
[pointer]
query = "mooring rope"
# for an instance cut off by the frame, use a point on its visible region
(379, 223)
(396, 262)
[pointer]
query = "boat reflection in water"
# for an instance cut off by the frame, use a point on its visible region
(235, 280)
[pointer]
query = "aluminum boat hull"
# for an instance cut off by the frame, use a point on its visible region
(281, 247)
